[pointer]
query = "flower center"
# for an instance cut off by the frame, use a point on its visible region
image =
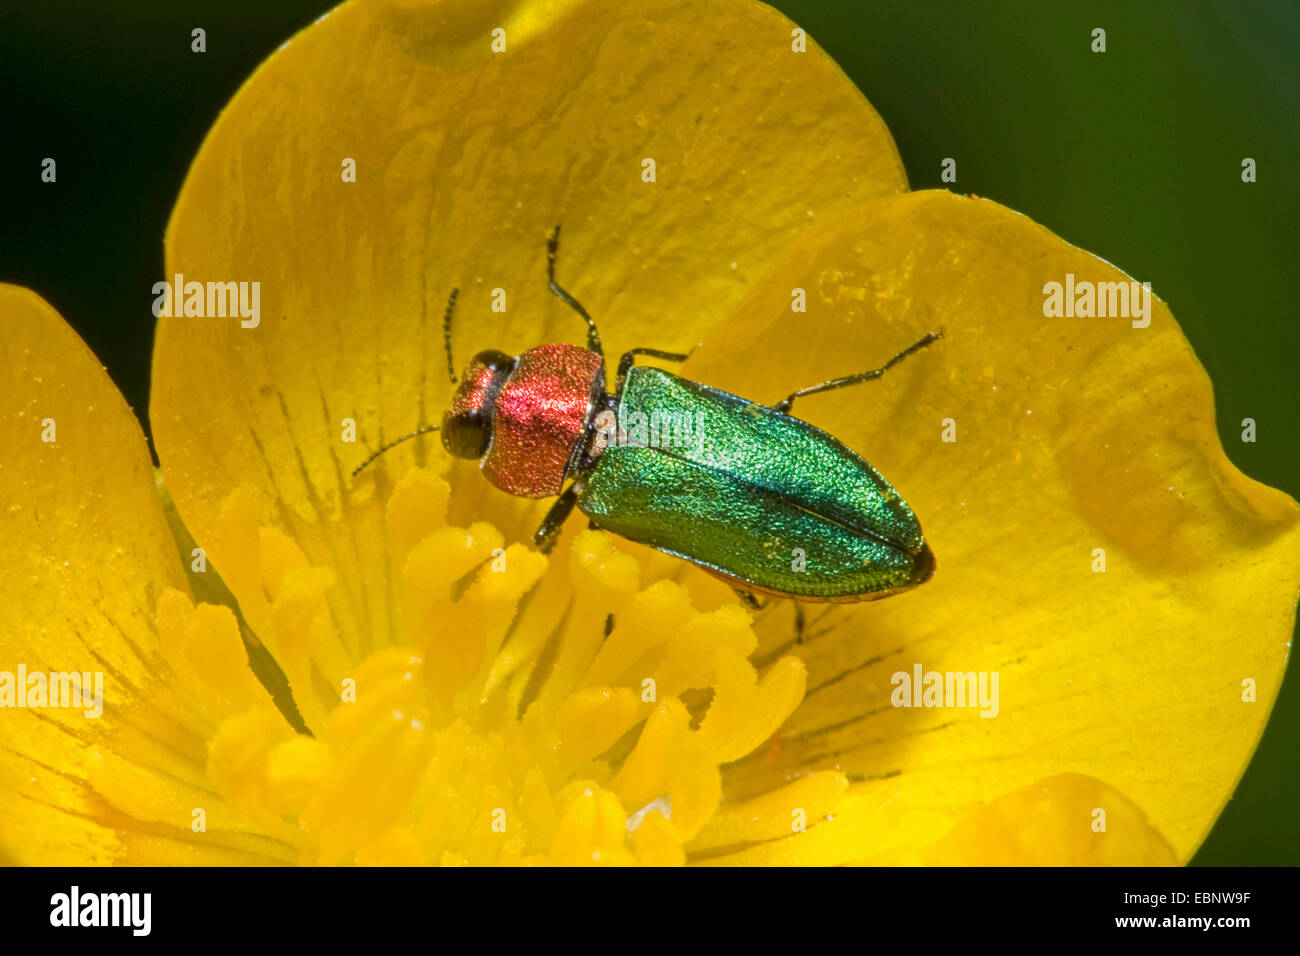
(532, 710)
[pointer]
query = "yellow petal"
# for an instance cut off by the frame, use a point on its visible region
(1072, 434)
(861, 830)
(773, 815)
(397, 847)
(87, 558)
(1066, 820)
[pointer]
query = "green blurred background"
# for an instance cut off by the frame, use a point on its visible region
(1134, 155)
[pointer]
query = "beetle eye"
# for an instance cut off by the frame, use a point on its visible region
(467, 434)
(494, 360)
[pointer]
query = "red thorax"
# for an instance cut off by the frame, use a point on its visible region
(538, 416)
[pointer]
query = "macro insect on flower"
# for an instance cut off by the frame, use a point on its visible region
(766, 502)
(448, 694)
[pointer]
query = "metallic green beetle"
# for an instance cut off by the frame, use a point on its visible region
(761, 499)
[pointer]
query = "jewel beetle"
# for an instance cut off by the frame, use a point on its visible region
(759, 498)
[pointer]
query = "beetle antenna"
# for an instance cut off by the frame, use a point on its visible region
(593, 336)
(446, 333)
(396, 441)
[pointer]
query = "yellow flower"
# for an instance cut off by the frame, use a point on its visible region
(464, 701)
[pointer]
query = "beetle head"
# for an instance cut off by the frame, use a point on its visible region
(467, 426)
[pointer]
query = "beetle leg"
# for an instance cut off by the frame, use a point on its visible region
(593, 336)
(785, 403)
(748, 599)
(625, 363)
(544, 537)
